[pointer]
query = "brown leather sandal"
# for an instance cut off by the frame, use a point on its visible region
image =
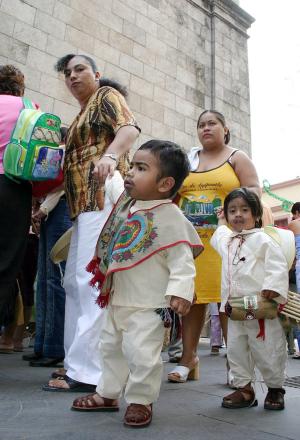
(238, 400)
(89, 403)
(275, 399)
(138, 416)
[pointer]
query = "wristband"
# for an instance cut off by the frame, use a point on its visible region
(112, 156)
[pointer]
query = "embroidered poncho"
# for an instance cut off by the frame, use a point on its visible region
(129, 239)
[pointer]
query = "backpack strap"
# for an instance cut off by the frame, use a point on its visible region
(28, 103)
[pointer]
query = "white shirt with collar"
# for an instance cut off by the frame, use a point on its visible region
(256, 265)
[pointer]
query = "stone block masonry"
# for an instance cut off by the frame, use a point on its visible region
(176, 57)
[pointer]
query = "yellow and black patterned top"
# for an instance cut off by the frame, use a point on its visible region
(89, 136)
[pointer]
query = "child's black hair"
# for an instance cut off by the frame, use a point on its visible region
(220, 118)
(172, 159)
(62, 63)
(295, 208)
(252, 200)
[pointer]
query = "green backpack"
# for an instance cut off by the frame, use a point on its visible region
(33, 152)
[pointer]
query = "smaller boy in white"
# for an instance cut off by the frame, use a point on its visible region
(252, 264)
(144, 263)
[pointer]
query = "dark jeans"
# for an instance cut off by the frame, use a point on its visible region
(50, 295)
(15, 216)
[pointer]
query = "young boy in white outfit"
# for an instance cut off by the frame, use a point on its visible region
(253, 264)
(144, 264)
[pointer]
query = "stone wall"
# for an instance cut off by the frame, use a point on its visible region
(177, 57)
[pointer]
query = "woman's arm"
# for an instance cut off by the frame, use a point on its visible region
(122, 143)
(246, 172)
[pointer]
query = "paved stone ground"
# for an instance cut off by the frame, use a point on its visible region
(190, 410)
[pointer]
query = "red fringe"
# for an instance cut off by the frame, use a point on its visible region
(102, 300)
(261, 334)
(97, 279)
(93, 264)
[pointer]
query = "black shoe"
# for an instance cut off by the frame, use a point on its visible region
(174, 359)
(32, 356)
(46, 362)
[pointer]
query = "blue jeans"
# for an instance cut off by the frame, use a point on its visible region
(50, 295)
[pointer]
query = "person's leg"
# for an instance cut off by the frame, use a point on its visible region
(142, 344)
(114, 367)
(57, 224)
(72, 304)
(224, 325)
(15, 202)
(238, 354)
(270, 357)
(26, 280)
(175, 350)
(192, 325)
(216, 339)
(82, 358)
(41, 292)
(242, 367)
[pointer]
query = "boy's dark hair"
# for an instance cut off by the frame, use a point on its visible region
(295, 208)
(11, 80)
(62, 63)
(252, 200)
(220, 118)
(172, 159)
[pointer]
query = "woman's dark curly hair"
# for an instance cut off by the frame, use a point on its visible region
(62, 63)
(11, 80)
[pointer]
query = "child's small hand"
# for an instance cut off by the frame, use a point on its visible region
(269, 294)
(220, 215)
(180, 305)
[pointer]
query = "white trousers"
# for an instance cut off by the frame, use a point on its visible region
(245, 351)
(83, 317)
(130, 344)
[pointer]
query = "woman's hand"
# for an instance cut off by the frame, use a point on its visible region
(180, 306)
(103, 168)
(38, 215)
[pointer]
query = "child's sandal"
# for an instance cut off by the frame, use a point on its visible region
(238, 400)
(274, 399)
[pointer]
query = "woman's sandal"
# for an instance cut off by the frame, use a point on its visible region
(275, 399)
(138, 416)
(60, 372)
(181, 374)
(238, 400)
(58, 385)
(89, 403)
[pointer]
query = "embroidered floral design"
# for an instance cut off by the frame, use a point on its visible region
(136, 234)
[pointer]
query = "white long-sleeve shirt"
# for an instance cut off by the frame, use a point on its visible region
(251, 262)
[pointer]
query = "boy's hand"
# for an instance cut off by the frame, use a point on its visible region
(180, 305)
(269, 294)
(220, 215)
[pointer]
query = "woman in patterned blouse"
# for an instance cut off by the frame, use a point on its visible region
(98, 142)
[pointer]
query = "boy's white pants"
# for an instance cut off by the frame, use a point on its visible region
(245, 351)
(130, 344)
(83, 317)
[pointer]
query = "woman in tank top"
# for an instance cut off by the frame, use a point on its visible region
(216, 169)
